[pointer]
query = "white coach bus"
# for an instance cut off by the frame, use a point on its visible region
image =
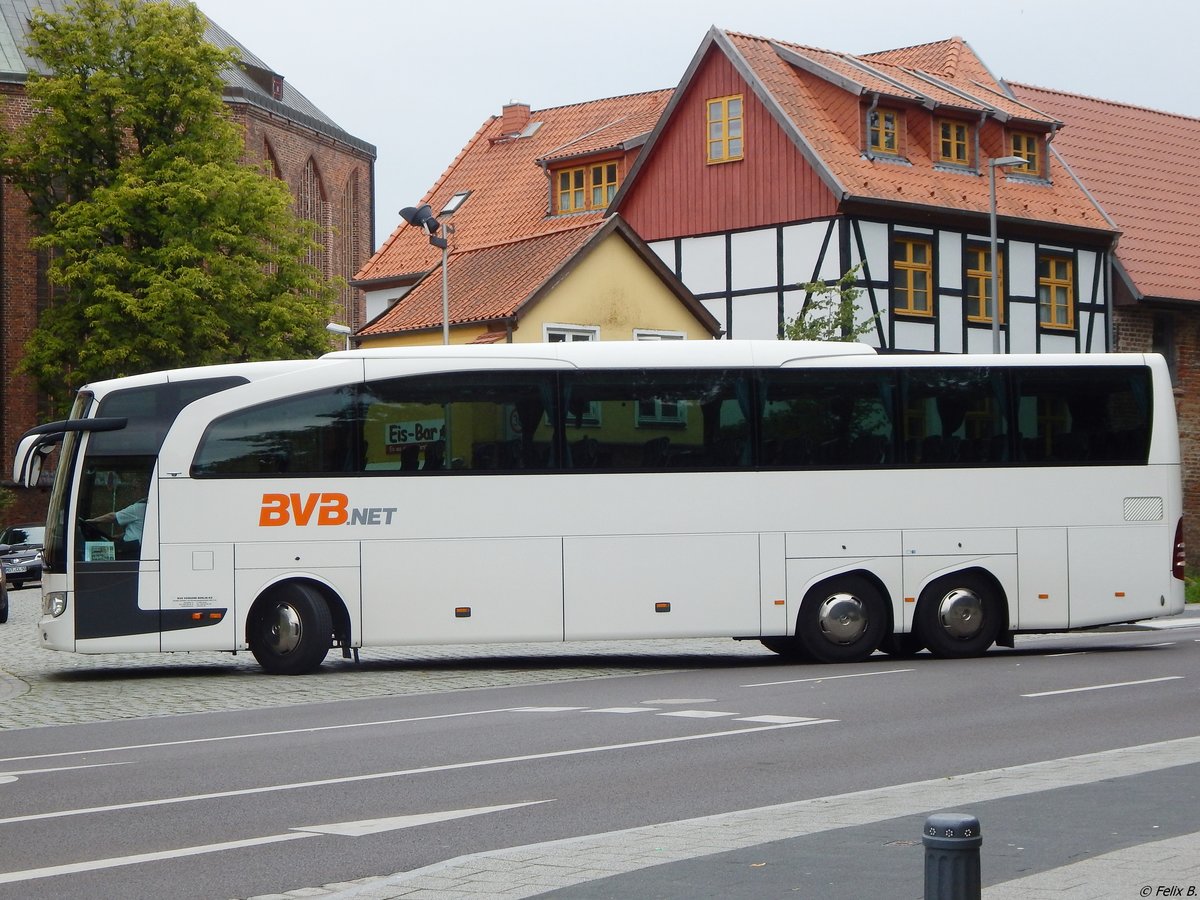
(821, 498)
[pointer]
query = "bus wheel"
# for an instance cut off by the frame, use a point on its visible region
(842, 620)
(291, 630)
(787, 647)
(958, 616)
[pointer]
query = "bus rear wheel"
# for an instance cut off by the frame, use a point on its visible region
(291, 630)
(958, 616)
(842, 620)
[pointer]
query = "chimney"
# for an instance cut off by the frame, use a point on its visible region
(513, 118)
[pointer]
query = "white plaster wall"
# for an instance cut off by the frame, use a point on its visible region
(753, 259)
(802, 246)
(756, 317)
(950, 315)
(703, 263)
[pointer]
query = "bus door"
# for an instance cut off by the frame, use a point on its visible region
(114, 597)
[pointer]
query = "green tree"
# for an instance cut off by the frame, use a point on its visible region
(829, 311)
(165, 248)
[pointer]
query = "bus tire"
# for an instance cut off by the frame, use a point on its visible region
(787, 647)
(842, 620)
(958, 616)
(291, 630)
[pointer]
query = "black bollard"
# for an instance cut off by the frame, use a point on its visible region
(952, 857)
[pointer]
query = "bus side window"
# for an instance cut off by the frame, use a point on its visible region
(460, 422)
(827, 419)
(657, 419)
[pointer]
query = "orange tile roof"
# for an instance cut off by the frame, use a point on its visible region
(816, 105)
(1140, 165)
(485, 284)
(509, 188)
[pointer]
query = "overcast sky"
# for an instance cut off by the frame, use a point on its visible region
(417, 79)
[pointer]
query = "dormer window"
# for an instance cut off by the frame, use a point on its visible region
(953, 145)
(883, 131)
(583, 188)
(1028, 147)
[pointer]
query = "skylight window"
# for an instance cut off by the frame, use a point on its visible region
(454, 203)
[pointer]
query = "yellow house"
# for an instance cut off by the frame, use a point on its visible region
(597, 281)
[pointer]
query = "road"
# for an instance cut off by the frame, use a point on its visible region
(266, 800)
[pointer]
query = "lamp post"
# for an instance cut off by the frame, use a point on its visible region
(337, 328)
(994, 164)
(424, 219)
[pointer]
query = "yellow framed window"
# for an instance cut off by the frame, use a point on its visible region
(912, 276)
(883, 130)
(572, 193)
(725, 132)
(1028, 147)
(953, 146)
(586, 187)
(604, 184)
(1056, 292)
(979, 284)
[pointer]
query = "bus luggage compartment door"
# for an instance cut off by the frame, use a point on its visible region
(661, 585)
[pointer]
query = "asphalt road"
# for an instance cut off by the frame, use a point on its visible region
(244, 803)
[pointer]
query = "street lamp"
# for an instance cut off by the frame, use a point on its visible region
(337, 328)
(424, 219)
(994, 164)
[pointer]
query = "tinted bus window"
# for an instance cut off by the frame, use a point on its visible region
(311, 434)
(828, 419)
(1094, 416)
(954, 417)
(643, 419)
(460, 422)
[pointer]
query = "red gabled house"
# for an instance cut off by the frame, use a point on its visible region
(776, 164)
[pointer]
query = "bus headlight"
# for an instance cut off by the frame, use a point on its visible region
(54, 603)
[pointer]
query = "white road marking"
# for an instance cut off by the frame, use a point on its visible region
(625, 709)
(12, 775)
(783, 720)
(1071, 653)
(256, 734)
(547, 708)
(394, 823)
(425, 770)
(1101, 687)
(829, 677)
(679, 702)
(115, 861)
(343, 829)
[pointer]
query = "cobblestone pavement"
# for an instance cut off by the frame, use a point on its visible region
(129, 686)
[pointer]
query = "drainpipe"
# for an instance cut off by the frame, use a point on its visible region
(870, 109)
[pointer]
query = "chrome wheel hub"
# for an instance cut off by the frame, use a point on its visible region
(283, 628)
(842, 618)
(961, 613)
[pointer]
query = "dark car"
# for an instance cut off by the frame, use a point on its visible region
(3, 598)
(21, 554)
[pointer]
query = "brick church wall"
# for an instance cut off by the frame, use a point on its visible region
(338, 190)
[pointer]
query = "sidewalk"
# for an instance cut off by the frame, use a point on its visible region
(1102, 826)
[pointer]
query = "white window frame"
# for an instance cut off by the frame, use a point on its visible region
(651, 334)
(569, 333)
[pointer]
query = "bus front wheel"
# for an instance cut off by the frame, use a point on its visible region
(291, 630)
(842, 620)
(958, 616)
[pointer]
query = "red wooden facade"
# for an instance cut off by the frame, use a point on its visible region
(679, 193)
